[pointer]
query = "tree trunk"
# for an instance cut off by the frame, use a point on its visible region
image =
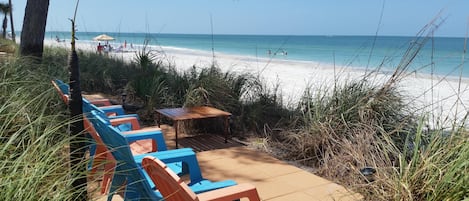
(34, 28)
(4, 26)
(77, 144)
(13, 35)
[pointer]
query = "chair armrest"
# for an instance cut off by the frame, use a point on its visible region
(145, 129)
(65, 98)
(61, 93)
(124, 116)
(116, 109)
(187, 156)
(101, 102)
(118, 120)
(155, 136)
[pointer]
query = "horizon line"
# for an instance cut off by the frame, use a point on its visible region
(244, 34)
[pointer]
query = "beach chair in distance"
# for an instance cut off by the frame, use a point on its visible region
(103, 105)
(63, 90)
(129, 124)
(111, 111)
(128, 172)
(174, 189)
(116, 115)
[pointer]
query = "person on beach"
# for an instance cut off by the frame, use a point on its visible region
(58, 39)
(100, 48)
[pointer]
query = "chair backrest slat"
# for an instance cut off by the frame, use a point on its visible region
(61, 90)
(63, 86)
(127, 171)
(169, 184)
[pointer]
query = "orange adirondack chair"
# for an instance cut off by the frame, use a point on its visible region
(173, 188)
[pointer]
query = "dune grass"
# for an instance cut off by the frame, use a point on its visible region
(33, 135)
(353, 126)
(345, 127)
(7, 46)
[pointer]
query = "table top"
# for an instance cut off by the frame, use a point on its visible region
(187, 113)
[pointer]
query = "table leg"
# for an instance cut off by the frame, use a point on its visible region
(227, 128)
(158, 119)
(176, 132)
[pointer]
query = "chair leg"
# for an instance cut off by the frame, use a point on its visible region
(97, 161)
(109, 167)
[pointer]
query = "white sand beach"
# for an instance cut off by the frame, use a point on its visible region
(447, 98)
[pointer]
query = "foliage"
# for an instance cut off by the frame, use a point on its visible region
(33, 137)
(437, 168)
(8, 46)
(328, 116)
(5, 8)
(342, 129)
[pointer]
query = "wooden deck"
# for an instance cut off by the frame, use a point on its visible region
(274, 179)
(207, 142)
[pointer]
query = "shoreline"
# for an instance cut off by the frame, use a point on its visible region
(89, 45)
(435, 95)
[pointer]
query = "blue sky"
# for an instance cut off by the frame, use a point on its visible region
(284, 17)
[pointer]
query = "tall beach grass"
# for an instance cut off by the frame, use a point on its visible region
(369, 137)
(33, 135)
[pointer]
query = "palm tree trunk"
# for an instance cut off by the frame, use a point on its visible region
(77, 145)
(4, 26)
(13, 36)
(34, 28)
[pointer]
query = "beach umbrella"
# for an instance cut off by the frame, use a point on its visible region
(103, 37)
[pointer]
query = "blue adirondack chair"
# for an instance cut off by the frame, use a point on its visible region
(103, 157)
(63, 90)
(102, 104)
(112, 111)
(129, 173)
(105, 107)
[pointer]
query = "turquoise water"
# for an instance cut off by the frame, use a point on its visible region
(446, 54)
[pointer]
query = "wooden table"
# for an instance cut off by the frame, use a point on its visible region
(188, 113)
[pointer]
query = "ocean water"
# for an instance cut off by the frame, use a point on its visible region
(440, 55)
